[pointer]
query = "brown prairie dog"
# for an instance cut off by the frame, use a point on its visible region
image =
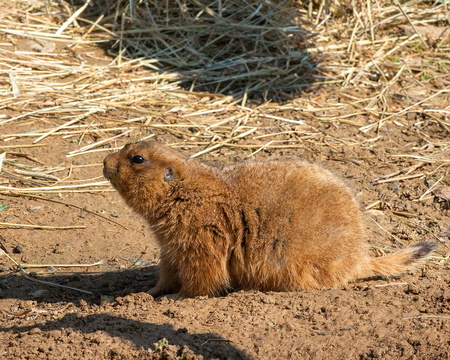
(267, 225)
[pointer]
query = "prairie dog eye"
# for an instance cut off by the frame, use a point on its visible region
(138, 159)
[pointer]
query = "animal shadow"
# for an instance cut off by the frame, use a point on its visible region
(92, 285)
(143, 335)
(115, 284)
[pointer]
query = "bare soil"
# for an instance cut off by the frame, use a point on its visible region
(407, 318)
(402, 318)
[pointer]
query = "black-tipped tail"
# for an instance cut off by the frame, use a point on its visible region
(400, 261)
(422, 249)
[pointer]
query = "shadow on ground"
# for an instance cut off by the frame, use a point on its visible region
(114, 283)
(141, 334)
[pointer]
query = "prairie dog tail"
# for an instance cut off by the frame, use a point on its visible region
(400, 261)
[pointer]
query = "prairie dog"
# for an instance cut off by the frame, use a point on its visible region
(265, 225)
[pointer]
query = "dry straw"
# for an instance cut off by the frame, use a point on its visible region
(235, 47)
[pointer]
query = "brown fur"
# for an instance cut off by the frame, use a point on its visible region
(270, 225)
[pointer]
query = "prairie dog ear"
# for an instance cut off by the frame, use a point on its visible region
(169, 174)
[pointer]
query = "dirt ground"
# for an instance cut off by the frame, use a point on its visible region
(112, 317)
(406, 318)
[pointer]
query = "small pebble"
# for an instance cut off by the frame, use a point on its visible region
(83, 304)
(106, 299)
(39, 294)
(18, 249)
(394, 186)
(34, 208)
(59, 249)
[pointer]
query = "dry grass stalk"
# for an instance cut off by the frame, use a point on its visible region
(387, 232)
(87, 147)
(66, 204)
(400, 178)
(73, 121)
(42, 227)
(37, 266)
(391, 284)
(48, 283)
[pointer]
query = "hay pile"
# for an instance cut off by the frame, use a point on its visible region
(234, 47)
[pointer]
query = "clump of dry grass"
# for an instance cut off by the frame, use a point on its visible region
(236, 47)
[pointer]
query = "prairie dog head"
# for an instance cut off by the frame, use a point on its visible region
(143, 173)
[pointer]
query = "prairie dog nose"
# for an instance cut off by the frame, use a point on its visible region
(109, 168)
